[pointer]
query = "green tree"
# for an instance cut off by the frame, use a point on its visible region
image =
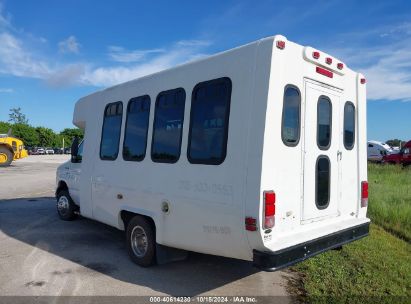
(26, 133)
(46, 136)
(17, 117)
(69, 133)
(4, 127)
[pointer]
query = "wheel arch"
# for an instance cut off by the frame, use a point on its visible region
(126, 215)
(61, 185)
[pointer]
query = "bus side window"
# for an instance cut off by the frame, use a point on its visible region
(110, 135)
(168, 126)
(210, 112)
(135, 134)
(290, 125)
(349, 125)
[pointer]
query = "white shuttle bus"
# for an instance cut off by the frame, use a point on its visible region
(257, 153)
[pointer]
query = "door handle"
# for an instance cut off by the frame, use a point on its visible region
(339, 155)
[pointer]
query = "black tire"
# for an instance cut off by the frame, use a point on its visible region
(66, 208)
(8, 154)
(147, 256)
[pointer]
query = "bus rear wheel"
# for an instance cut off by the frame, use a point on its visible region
(141, 241)
(6, 157)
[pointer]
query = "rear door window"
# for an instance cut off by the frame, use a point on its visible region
(322, 182)
(324, 119)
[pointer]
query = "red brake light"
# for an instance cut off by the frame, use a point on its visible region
(269, 209)
(324, 72)
(340, 66)
(364, 194)
(316, 55)
(328, 60)
(250, 224)
(362, 80)
(280, 44)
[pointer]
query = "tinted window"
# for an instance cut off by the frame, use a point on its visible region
(210, 111)
(168, 126)
(290, 130)
(324, 114)
(135, 134)
(323, 182)
(349, 125)
(110, 136)
(79, 157)
(371, 146)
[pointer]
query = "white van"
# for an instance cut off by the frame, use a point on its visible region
(376, 150)
(257, 153)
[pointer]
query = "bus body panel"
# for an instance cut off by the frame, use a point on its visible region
(208, 204)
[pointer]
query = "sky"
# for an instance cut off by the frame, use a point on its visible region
(54, 52)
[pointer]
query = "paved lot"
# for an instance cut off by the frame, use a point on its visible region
(42, 255)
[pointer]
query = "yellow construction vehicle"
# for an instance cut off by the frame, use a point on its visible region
(11, 148)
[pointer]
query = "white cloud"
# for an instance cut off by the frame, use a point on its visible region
(6, 90)
(19, 58)
(180, 52)
(17, 61)
(120, 54)
(69, 45)
(386, 64)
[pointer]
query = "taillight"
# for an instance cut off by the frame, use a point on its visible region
(269, 209)
(364, 194)
(362, 80)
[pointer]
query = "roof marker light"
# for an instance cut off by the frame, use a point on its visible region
(316, 55)
(280, 44)
(328, 60)
(324, 72)
(363, 80)
(340, 66)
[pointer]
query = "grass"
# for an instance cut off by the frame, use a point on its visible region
(376, 268)
(390, 198)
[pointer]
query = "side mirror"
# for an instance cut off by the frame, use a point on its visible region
(74, 149)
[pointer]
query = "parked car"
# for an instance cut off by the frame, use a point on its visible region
(403, 157)
(58, 151)
(49, 151)
(40, 151)
(376, 150)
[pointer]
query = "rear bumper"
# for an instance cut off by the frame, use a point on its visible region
(274, 260)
